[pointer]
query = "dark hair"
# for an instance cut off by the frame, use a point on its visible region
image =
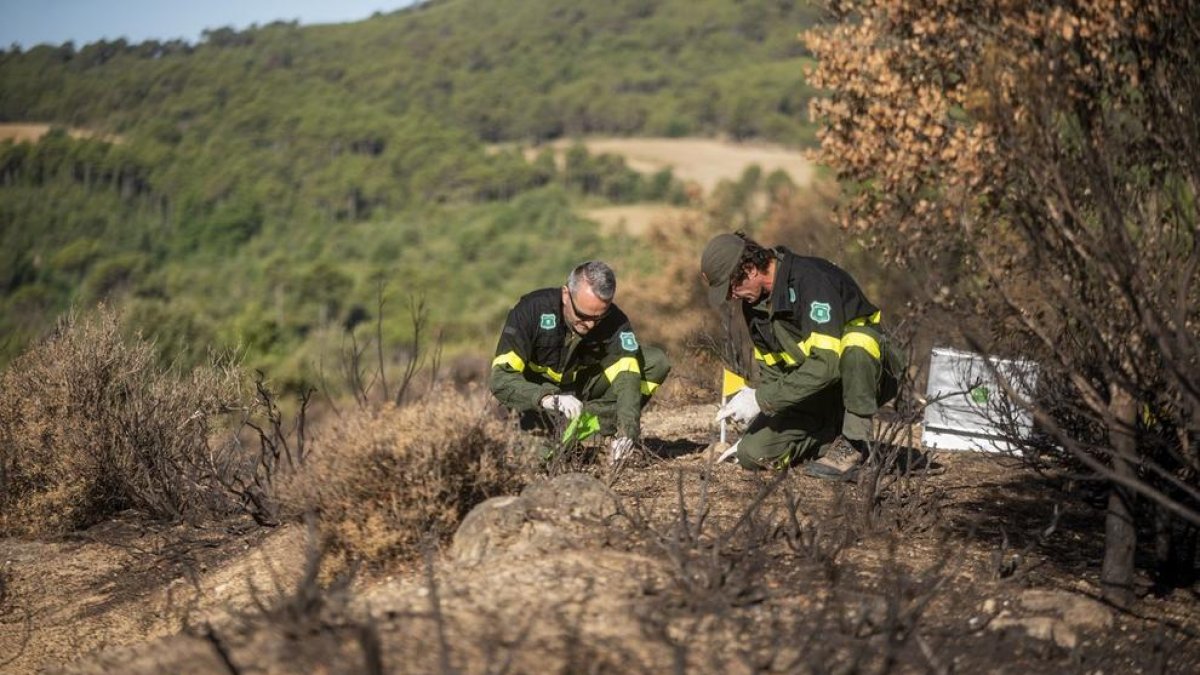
(754, 256)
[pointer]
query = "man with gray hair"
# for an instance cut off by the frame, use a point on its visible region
(568, 355)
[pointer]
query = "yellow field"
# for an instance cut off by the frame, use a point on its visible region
(32, 131)
(703, 161)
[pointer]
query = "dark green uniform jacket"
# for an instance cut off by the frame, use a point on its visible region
(801, 330)
(538, 354)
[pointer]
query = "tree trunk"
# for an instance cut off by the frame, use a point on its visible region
(1174, 552)
(1120, 533)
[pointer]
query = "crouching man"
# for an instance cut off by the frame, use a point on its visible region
(570, 353)
(826, 366)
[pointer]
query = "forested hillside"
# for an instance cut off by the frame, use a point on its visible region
(262, 184)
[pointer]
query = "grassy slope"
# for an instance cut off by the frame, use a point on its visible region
(282, 172)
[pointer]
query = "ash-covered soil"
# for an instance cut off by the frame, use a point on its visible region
(665, 563)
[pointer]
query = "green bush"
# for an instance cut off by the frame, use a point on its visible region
(113, 275)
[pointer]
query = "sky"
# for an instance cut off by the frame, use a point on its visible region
(33, 22)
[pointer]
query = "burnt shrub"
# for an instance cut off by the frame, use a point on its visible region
(384, 480)
(92, 423)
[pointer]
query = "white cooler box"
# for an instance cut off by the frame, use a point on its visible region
(965, 401)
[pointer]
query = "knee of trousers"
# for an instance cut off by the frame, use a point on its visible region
(860, 374)
(770, 440)
(657, 365)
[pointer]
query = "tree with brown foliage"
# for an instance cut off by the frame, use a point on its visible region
(1036, 165)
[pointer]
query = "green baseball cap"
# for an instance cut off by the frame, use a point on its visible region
(718, 265)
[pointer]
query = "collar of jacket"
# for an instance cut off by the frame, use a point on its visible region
(783, 299)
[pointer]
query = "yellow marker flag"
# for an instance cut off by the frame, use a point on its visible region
(731, 384)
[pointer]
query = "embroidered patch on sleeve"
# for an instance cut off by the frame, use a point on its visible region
(549, 322)
(820, 312)
(628, 341)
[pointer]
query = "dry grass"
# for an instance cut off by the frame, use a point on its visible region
(703, 161)
(383, 480)
(91, 424)
(636, 219)
(31, 132)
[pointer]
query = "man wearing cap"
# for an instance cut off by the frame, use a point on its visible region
(824, 366)
(569, 353)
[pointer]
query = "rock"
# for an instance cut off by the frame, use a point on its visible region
(571, 496)
(492, 525)
(1039, 628)
(550, 515)
(1060, 615)
(1077, 611)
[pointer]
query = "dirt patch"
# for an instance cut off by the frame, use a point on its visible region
(637, 219)
(127, 581)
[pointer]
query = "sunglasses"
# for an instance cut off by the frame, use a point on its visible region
(588, 318)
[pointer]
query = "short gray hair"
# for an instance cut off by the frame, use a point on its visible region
(599, 276)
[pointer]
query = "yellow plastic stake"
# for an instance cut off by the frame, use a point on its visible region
(731, 383)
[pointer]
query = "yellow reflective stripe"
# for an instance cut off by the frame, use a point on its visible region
(518, 364)
(648, 387)
(867, 320)
(771, 359)
(861, 340)
(821, 341)
(548, 372)
(624, 365)
(511, 360)
(829, 343)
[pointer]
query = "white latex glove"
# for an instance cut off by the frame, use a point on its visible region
(618, 448)
(564, 403)
(731, 452)
(743, 407)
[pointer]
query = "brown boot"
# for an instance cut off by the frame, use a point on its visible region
(841, 462)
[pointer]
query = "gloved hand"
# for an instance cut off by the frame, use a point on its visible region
(564, 403)
(743, 407)
(731, 452)
(618, 448)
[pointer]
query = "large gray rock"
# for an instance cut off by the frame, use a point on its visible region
(569, 511)
(574, 496)
(493, 525)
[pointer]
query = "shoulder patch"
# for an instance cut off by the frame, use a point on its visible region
(820, 312)
(549, 322)
(628, 341)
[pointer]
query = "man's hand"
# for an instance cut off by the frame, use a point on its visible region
(564, 403)
(618, 448)
(743, 407)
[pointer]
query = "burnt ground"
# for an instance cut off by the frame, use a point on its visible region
(698, 568)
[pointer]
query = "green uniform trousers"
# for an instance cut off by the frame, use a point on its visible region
(846, 407)
(600, 400)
